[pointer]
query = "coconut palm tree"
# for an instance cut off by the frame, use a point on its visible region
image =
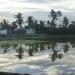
(42, 26)
(65, 22)
(30, 21)
(54, 15)
(19, 20)
(5, 24)
(48, 23)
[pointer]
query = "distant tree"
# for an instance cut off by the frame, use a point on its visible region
(30, 21)
(5, 24)
(54, 16)
(71, 28)
(19, 20)
(35, 22)
(42, 27)
(48, 23)
(65, 22)
(59, 13)
(14, 25)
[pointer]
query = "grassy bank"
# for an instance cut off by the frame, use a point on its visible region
(64, 37)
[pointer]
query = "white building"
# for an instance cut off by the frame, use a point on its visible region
(30, 31)
(3, 31)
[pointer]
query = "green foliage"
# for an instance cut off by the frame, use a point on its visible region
(65, 22)
(30, 21)
(14, 25)
(48, 27)
(5, 24)
(54, 16)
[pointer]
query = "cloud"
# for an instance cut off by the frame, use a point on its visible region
(36, 5)
(37, 8)
(33, 1)
(21, 7)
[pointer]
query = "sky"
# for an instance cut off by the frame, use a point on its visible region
(37, 8)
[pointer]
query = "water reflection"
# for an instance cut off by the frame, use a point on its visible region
(66, 47)
(54, 49)
(72, 44)
(20, 52)
(30, 51)
(5, 47)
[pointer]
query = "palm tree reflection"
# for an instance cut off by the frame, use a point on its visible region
(66, 48)
(20, 52)
(55, 53)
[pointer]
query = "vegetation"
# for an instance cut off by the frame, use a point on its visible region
(49, 27)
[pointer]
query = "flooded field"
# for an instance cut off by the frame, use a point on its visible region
(38, 57)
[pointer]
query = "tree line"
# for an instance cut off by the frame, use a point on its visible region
(53, 26)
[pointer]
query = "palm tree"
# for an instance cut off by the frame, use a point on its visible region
(54, 15)
(19, 20)
(48, 23)
(42, 27)
(14, 25)
(30, 21)
(5, 24)
(65, 22)
(71, 28)
(59, 14)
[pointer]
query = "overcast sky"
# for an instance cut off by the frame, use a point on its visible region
(38, 8)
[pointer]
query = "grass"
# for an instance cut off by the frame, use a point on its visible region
(35, 39)
(16, 41)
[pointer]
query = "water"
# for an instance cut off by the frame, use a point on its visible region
(37, 55)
